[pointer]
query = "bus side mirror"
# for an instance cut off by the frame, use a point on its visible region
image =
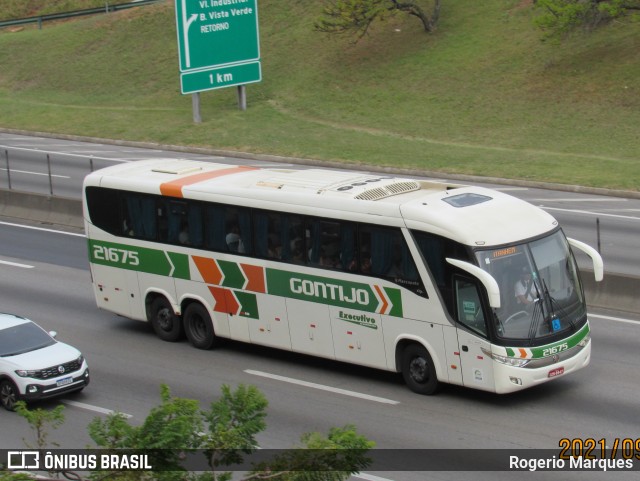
(596, 258)
(489, 283)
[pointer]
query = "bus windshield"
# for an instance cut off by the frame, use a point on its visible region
(541, 294)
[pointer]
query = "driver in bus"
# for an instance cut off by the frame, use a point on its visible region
(524, 290)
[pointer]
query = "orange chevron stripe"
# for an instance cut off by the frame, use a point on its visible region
(523, 353)
(233, 306)
(208, 269)
(224, 300)
(385, 303)
(219, 298)
(255, 275)
(174, 187)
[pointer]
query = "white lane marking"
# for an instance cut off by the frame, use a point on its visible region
(599, 214)
(43, 229)
(117, 151)
(90, 407)
(369, 477)
(44, 174)
(322, 387)
(15, 264)
(617, 319)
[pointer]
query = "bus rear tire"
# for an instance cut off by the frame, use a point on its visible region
(166, 324)
(418, 370)
(198, 326)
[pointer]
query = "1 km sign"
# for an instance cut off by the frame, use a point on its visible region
(218, 43)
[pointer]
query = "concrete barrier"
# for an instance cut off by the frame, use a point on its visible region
(41, 208)
(616, 291)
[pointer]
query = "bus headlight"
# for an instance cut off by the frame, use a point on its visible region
(509, 361)
(585, 340)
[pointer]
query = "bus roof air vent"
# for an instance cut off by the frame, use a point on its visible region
(388, 190)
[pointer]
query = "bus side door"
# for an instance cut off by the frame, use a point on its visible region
(477, 366)
(310, 328)
(271, 328)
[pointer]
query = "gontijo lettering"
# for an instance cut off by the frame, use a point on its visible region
(332, 292)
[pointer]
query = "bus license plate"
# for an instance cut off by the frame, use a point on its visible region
(65, 381)
(556, 372)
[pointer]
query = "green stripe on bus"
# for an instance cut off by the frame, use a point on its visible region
(151, 261)
(248, 304)
(232, 274)
(334, 292)
(325, 290)
(554, 348)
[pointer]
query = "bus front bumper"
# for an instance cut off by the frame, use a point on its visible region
(510, 379)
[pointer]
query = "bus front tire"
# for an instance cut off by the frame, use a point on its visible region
(418, 370)
(166, 324)
(198, 326)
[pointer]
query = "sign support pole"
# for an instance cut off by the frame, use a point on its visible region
(195, 102)
(242, 97)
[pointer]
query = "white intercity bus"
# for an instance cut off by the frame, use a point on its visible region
(443, 283)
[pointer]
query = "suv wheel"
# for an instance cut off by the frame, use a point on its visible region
(9, 395)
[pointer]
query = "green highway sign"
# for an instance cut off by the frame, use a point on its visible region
(214, 34)
(215, 78)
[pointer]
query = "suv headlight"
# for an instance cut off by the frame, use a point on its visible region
(80, 360)
(25, 373)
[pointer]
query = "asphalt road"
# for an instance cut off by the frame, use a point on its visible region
(44, 276)
(31, 159)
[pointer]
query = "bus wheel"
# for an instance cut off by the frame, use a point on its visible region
(166, 324)
(418, 370)
(198, 326)
(8, 395)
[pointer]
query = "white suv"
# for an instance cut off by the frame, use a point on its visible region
(33, 365)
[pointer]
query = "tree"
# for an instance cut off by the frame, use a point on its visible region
(40, 421)
(356, 16)
(560, 17)
(225, 434)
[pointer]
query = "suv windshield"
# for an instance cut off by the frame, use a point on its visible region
(540, 288)
(23, 338)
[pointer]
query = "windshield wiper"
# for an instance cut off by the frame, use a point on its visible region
(535, 320)
(553, 302)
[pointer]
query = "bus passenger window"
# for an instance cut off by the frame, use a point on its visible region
(215, 229)
(233, 238)
(141, 211)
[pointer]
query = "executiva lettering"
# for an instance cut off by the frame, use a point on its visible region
(329, 291)
(360, 319)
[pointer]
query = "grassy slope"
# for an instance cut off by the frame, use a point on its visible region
(482, 96)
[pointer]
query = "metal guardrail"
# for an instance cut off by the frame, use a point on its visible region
(76, 13)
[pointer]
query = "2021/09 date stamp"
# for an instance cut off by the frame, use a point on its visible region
(591, 448)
